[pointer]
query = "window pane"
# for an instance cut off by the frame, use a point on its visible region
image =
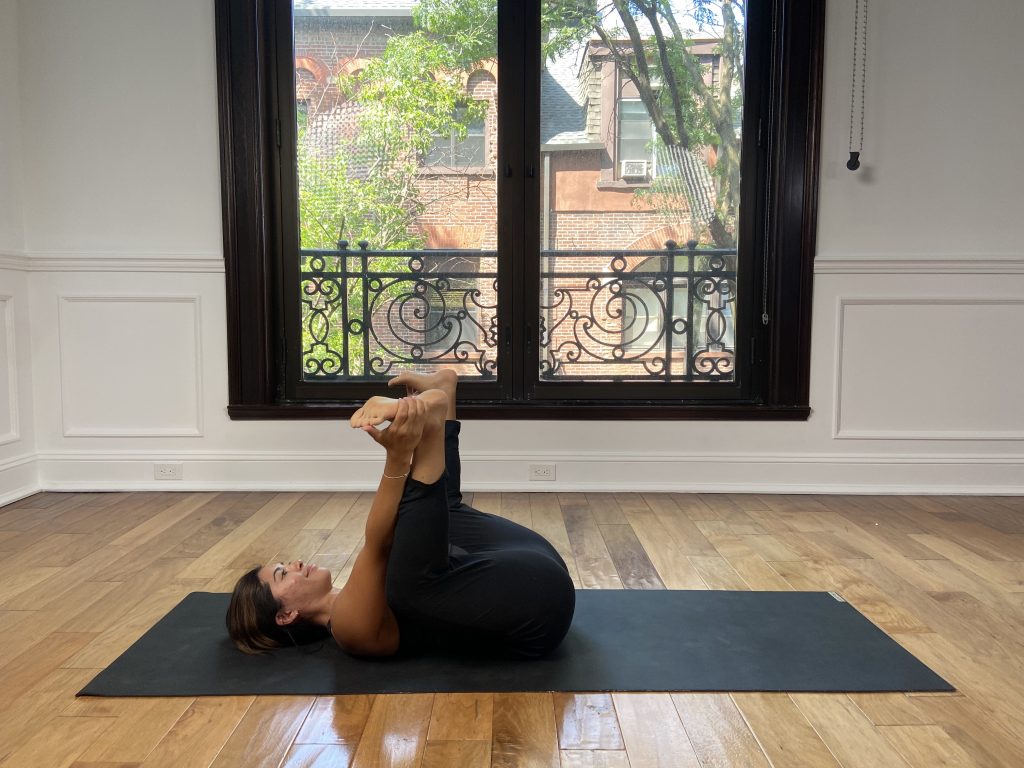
(617, 302)
(470, 153)
(374, 120)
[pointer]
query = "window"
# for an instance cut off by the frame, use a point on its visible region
(449, 151)
(327, 300)
(636, 139)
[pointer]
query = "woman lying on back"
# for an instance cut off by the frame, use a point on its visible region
(433, 572)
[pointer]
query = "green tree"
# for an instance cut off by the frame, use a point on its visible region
(366, 189)
(687, 113)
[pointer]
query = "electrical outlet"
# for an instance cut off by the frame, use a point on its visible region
(542, 471)
(167, 471)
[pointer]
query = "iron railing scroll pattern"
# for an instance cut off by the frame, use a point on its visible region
(367, 314)
(609, 315)
(638, 315)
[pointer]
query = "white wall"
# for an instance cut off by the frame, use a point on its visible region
(919, 288)
(18, 474)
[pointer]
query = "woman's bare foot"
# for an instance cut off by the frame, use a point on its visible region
(375, 411)
(378, 410)
(446, 380)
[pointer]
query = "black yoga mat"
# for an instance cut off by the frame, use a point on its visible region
(620, 641)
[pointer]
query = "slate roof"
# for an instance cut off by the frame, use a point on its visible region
(562, 119)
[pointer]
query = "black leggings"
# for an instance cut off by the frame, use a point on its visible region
(463, 579)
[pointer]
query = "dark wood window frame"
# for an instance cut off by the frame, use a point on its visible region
(776, 356)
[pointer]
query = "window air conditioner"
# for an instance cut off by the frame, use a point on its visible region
(634, 169)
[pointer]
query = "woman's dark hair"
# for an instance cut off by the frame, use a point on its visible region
(252, 616)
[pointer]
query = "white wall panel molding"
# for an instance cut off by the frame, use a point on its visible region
(154, 357)
(904, 264)
(106, 261)
(964, 365)
(1001, 474)
(18, 478)
(10, 375)
(15, 261)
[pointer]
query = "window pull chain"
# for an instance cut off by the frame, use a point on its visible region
(860, 43)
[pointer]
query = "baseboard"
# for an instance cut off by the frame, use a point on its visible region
(1001, 474)
(18, 478)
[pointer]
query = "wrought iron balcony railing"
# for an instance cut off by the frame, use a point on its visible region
(662, 315)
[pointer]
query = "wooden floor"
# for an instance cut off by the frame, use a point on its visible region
(85, 574)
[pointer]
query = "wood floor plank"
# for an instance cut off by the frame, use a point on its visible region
(890, 709)
(129, 511)
(60, 616)
(755, 571)
(50, 652)
(263, 735)
(674, 570)
(488, 502)
(58, 550)
(802, 514)
(549, 523)
(516, 507)
(927, 746)
(461, 753)
(524, 731)
(783, 732)
(239, 540)
(35, 707)
(64, 739)
(22, 579)
(458, 716)
(717, 731)
(716, 573)
(349, 531)
(633, 566)
(769, 547)
(157, 524)
(332, 511)
(999, 690)
(302, 546)
(988, 743)
(574, 758)
(139, 725)
(728, 509)
(652, 731)
(335, 720)
(605, 509)
(596, 567)
(586, 721)
(264, 547)
(318, 756)
(396, 732)
(199, 734)
(189, 537)
(51, 589)
(1008, 575)
(684, 532)
(852, 739)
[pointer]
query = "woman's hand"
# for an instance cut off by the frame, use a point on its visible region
(402, 437)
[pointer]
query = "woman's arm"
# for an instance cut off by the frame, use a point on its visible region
(361, 620)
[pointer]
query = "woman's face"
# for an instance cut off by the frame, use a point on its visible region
(297, 585)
